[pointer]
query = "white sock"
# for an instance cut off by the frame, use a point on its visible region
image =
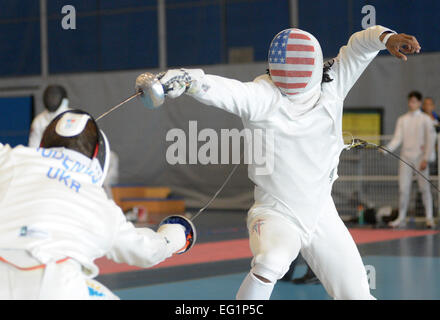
(254, 289)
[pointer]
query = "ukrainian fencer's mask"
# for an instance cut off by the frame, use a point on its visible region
(53, 97)
(295, 64)
(71, 130)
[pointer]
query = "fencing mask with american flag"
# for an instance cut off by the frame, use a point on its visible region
(295, 62)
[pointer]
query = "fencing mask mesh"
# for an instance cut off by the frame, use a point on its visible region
(295, 61)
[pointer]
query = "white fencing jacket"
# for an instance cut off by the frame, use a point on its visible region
(51, 207)
(306, 147)
(415, 132)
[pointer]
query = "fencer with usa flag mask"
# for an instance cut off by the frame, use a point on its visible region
(56, 219)
(301, 101)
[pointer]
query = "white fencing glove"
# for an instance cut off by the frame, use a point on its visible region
(189, 231)
(174, 235)
(178, 81)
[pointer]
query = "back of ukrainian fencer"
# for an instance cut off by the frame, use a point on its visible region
(52, 207)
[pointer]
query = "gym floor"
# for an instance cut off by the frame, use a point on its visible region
(406, 264)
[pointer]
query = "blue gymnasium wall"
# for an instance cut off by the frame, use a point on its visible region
(15, 121)
(122, 34)
(19, 38)
(332, 22)
(202, 35)
(108, 36)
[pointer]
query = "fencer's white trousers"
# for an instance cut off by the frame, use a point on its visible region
(329, 250)
(63, 281)
(405, 181)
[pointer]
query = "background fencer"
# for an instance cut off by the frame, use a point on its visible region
(55, 101)
(301, 101)
(416, 133)
(55, 218)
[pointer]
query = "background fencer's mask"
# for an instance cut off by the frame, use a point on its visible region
(295, 62)
(69, 130)
(53, 97)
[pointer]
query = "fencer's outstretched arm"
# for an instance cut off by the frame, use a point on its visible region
(361, 49)
(248, 100)
(144, 247)
(396, 141)
(354, 57)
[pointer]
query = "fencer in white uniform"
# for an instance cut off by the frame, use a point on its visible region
(55, 101)
(415, 132)
(55, 218)
(293, 209)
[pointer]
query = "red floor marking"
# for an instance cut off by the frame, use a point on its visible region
(203, 252)
(239, 249)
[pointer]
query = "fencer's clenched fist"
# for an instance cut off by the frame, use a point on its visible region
(179, 232)
(178, 81)
(174, 236)
(398, 44)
